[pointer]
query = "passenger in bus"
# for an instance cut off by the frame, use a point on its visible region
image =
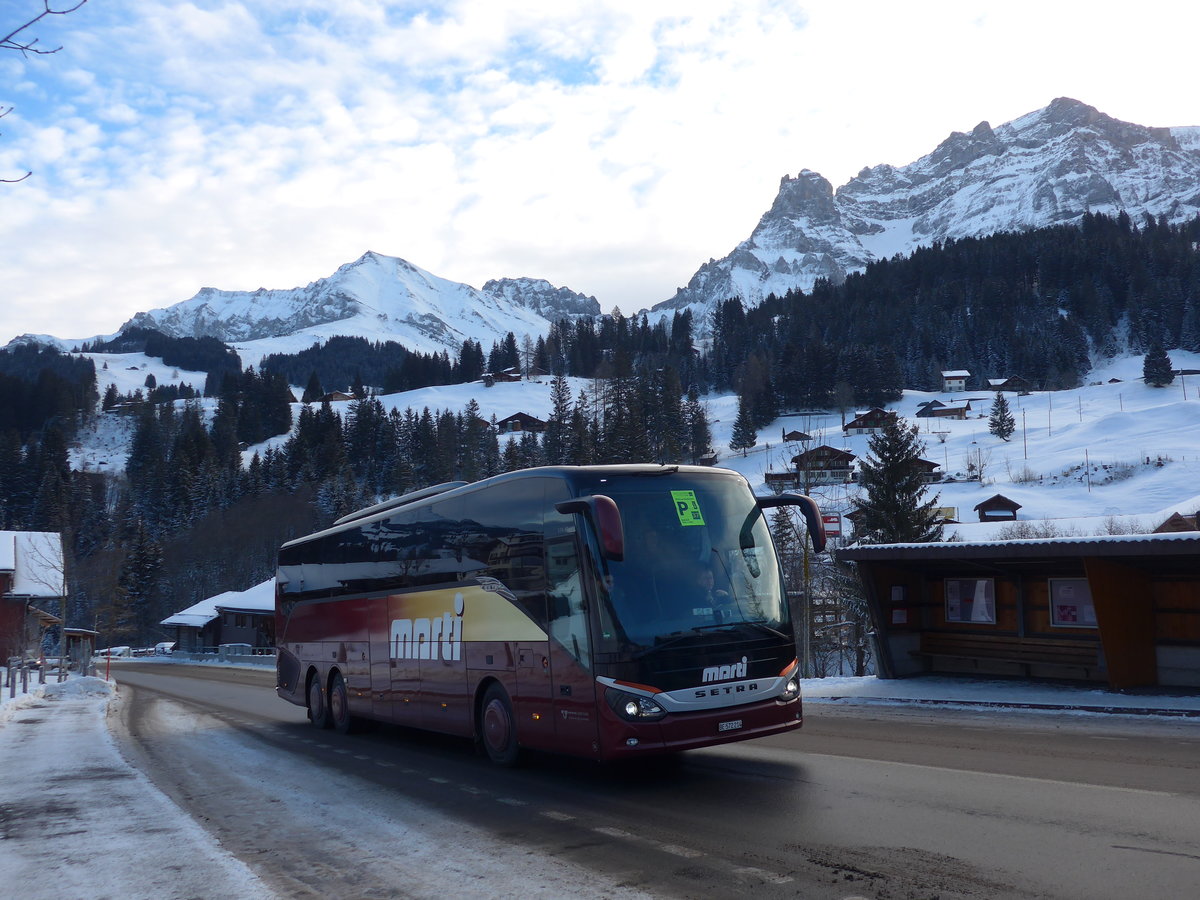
(713, 598)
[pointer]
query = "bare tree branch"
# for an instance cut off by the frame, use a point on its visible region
(27, 47)
(3, 113)
(10, 42)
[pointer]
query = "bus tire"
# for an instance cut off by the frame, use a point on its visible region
(339, 705)
(318, 709)
(498, 727)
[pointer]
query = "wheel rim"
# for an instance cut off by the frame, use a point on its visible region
(497, 727)
(316, 703)
(337, 703)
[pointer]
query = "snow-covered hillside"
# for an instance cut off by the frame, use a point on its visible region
(1141, 445)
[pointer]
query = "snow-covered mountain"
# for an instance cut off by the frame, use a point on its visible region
(1045, 168)
(378, 297)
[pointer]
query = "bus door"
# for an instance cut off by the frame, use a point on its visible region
(573, 686)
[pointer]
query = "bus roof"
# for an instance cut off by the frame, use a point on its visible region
(457, 489)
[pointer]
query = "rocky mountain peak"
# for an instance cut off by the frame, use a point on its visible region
(1048, 167)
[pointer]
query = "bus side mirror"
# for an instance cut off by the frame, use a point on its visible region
(809, 509)
(606, 519)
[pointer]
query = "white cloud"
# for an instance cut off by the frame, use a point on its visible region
(608, 146)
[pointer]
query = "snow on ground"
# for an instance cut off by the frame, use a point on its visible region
(76, 820)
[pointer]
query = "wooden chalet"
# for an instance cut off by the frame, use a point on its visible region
(1011, 383)
(930, 471)
(796, 436)
(823, 465)
(950, 409)
(954, 380)
(870, 421)
(234, 617)
(997, 508)
(519, 422)
(1176, 523)
(31, 577)
(510, 375)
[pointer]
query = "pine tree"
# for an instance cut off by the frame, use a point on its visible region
(1157, 369)
(582, 433)
(1001, 424)
(137, 586)
(554, 442)
(893, 507)
(744, 436)
(699, 432)
(312, 391)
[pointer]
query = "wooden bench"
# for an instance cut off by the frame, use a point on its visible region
(1023, 651)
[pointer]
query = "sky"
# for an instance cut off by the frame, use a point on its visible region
(607, 146)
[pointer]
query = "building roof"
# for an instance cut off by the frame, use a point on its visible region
(998, 501)
(1163, 553)
(260, 598)
(35, 558)
(955, 373)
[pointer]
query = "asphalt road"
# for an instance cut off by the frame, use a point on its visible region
(862, 802)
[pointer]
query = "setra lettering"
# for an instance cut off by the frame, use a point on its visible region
(438, 637)
(726, 689)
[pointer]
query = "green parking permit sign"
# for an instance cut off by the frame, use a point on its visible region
(687, 507)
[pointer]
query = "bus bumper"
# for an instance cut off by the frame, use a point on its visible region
(689, 731)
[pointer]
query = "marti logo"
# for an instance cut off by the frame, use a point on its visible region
(424, 638)
(724, 673)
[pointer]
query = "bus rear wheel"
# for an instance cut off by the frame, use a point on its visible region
(318, 711)
(339, 705)
(498, 728)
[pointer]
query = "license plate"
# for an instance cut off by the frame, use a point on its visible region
(732, 725)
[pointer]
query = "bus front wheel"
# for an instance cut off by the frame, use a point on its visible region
(498, 728)
(318, 711)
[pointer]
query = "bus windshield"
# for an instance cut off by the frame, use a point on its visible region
(698, 557)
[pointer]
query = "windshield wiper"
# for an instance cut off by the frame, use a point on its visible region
(761, 623)
(664, 470)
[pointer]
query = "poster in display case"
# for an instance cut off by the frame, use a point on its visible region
(971, 600)
(1071, 603)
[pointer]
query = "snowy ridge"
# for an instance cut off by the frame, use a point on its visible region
(377, 297)
(1045, 168)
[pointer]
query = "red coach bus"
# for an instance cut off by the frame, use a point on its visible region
(600, 611)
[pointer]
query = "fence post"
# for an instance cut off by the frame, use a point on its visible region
(24, 678)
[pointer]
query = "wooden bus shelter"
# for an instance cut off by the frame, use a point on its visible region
(1122, 609)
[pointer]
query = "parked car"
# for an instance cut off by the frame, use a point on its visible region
(164, 648)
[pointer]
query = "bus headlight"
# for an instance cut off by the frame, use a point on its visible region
(791, 689)
(634, 708)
